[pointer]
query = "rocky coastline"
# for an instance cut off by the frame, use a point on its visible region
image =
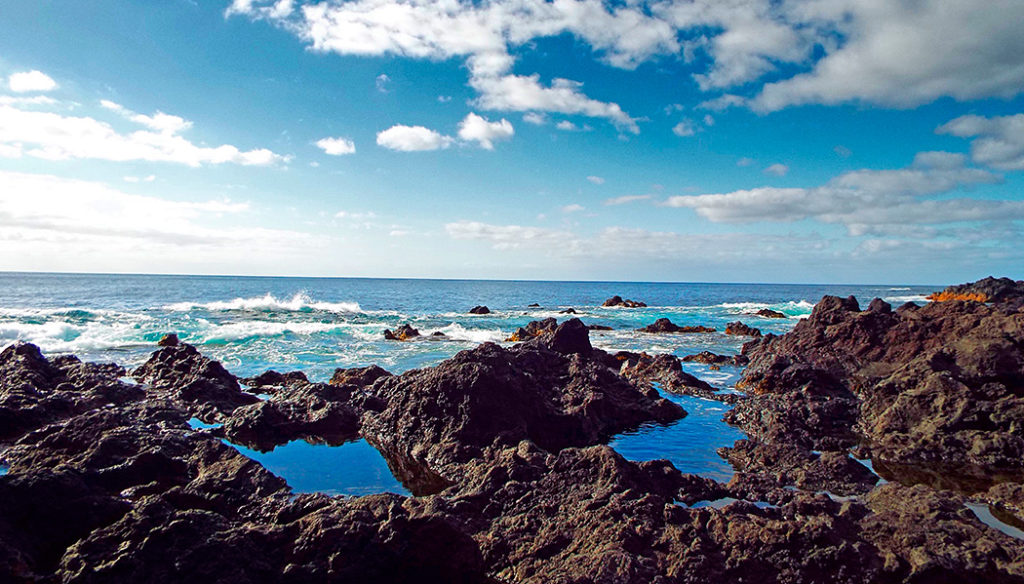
(503, 449)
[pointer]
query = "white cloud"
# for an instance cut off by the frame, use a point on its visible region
(567, 126)
(597, 180)
(777, 169)
(31, 81)
(140, 179)
(535, 118)
(53, 136)
(709, 120)
(905, 54)
(745, 162)
(444, 98)
(508, 236)
(382, 82)
(474, 128)
(865, 197)
(159, 122)
(819, 51)
(573, 208)
(684, 128)
(999, 141)
(359, 216)
(626, 199)
(336, 146)
(412, 139)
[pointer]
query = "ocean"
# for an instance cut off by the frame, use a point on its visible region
(315, 325)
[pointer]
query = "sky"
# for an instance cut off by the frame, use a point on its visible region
(802, 141)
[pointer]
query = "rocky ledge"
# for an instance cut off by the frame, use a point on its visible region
(503, 449)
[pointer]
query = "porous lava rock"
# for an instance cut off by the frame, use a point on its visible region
(618, 301)
(403, 333)
(664, 325)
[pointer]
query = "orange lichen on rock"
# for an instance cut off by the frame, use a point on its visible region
(946, 296)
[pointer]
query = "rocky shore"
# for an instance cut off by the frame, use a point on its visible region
(503, 450)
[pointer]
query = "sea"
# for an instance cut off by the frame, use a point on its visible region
(315, 325)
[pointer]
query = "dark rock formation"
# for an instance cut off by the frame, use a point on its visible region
(568, 311)
(479, 310)
(403, 333)
(985, 290)
(182, 373)
(709, 358)
(769, 313)
(618, 301)
(534, 329)
(534, 305)
(664, 325)
(358, 376)
(738, 328)
(168, 340)
(271, 379)
(314, 411)
(663, 369)
(599, 327)
(545, 391)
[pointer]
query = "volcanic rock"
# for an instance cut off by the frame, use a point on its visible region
(769, 313)
(738, 328)
(358, 376)
(534, 329)
(403, 333)
(275, 379)
(664, 369)
(618, 301)
(664, 325)
(168, 340)
(183, 373)
(709, 358)
(985, 290)
(479, 310)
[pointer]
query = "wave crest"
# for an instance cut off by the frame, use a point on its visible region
(300, 302)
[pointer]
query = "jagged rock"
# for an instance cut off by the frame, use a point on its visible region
(183, 373)
(448, 414)
(479, 310)
(314, 412)
(792, 465)
(618, 301)
(534, 329)
(985, 290)
(664, 325)
(599, 327)
(664, 369)
(358, 376)
(738, 328)
(403, 333)
(271, 378)
(709, 358)
(769, 313)
(168, 340)
(568, 311)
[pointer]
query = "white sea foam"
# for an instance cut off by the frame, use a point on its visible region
(236, 331)
(457, 332)
(903, 299)
(63, 337)
(268, 302)
(794, 306)
(899, 289)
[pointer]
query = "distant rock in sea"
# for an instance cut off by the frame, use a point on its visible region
(403, 333)
(618, 301)
(738, 328)
(479, 310)
(664, 325)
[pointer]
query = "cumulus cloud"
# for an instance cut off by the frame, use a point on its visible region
(865, 197)
(508, 236)
(412, 139)
(597, 180)
(31, 81)
(53, 136)
(535, 118)
(336, 146)
(777, 169)
(573, 208)
(815, 51)
(474, 128)
(999, 141)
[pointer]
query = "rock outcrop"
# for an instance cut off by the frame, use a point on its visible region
(405, 332)
(618, 301)
(985, 290)
(664, 325)
(479, 310)
(738, 328)
(769, 313)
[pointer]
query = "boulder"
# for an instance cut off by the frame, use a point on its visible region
(618, 301)
(664, 325)
(738, 328)
(479, 310)
(403, 333)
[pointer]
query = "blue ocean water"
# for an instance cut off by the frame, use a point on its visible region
(251, 324)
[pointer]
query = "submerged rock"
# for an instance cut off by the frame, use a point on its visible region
(664, 325)
(618, 301)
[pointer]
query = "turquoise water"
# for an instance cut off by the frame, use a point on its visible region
(251, 324)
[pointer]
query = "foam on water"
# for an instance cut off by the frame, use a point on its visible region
(456, 331)
(904, 299)
(268, 302)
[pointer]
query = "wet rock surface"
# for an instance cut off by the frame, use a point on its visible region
(738, 328)
(503, 448)
(405, 332)
(664, 325)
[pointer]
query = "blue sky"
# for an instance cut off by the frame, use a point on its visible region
(675, 140)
